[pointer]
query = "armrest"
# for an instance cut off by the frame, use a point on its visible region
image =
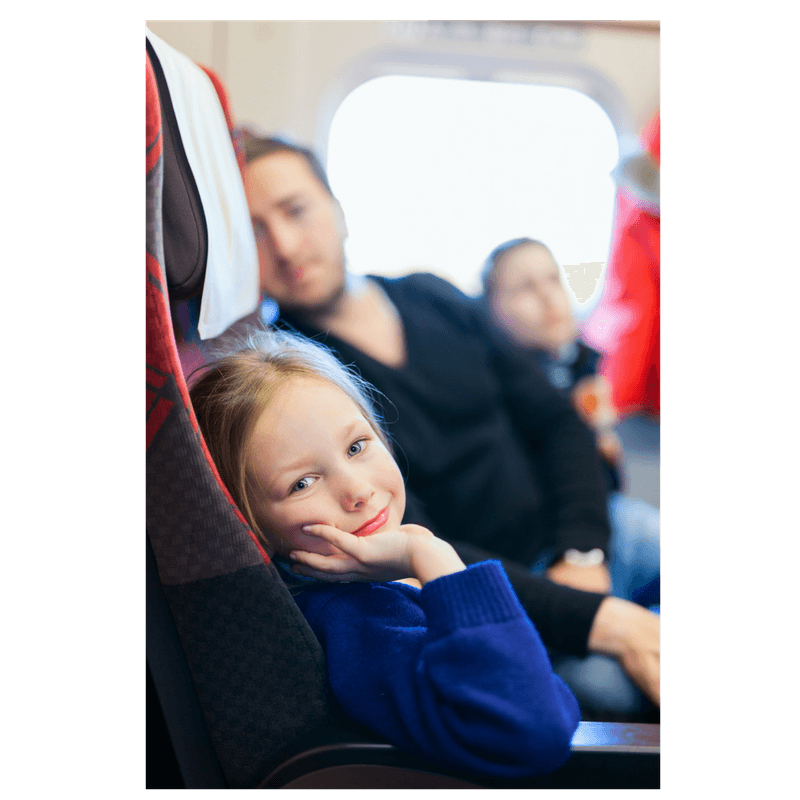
(617, 737)
(605, 755)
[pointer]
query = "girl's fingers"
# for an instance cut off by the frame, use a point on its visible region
(325, 568)
(326, 532)
(341, 539)
(332, 564)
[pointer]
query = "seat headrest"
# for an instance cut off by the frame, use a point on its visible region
(209, 244)
(185, 235)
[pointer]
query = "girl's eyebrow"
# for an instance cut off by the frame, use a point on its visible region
(276, 485)
(349, 430)
(298, 464)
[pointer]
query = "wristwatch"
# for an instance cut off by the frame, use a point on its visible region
(579, 558)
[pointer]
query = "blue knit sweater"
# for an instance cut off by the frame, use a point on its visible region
(455, 672)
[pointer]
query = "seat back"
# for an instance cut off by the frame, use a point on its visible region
(226, 644)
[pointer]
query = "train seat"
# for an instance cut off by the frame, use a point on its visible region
(236, 679)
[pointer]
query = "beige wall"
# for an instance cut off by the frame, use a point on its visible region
(289, 76)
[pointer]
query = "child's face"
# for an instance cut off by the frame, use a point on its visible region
(530, 301)
(313, 458)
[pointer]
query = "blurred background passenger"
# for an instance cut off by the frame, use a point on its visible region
(527, 301)
(626, 326)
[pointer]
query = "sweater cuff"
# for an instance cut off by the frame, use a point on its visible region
(583, 538)
(478, 595)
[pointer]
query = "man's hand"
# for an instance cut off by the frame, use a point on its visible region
(589, 579)
(633, 635)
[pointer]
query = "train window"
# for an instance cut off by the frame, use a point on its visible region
(433, 173)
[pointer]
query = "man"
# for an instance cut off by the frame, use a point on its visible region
(499, 461)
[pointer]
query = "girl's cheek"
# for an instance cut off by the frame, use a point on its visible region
(313, 544)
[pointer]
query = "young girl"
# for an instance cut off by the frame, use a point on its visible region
(453, 670)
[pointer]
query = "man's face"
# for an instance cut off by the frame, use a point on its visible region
(300, 233)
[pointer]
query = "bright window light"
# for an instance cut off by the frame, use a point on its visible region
(434, 173)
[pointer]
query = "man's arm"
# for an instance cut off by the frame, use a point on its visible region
(631, 634)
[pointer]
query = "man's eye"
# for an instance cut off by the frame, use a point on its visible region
(295, 211)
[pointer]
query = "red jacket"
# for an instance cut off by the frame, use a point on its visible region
(626, 325)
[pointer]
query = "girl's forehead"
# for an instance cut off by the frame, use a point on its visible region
(309, 401)
(317, 386)
(307, 414)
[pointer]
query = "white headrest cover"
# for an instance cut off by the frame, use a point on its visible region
(231, 288)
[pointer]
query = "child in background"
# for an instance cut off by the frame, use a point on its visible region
(437, 657)
(527, 301)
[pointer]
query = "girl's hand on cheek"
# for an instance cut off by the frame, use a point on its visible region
(386, 556)
(379, 557)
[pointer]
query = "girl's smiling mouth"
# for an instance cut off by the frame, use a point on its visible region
(374, 524)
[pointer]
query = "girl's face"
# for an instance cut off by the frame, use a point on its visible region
(530, 301)
(314, 458)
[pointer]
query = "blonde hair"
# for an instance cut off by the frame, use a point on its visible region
(236, 388)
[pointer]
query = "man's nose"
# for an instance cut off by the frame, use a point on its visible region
(284, 240)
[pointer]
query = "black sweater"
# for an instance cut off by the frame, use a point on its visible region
(497, 461)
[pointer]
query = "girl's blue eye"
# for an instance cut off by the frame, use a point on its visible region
(302, 484)
(356, 447)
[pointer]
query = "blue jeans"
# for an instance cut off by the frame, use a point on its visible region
(602, 687)
(635, 562)
(634, 550)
